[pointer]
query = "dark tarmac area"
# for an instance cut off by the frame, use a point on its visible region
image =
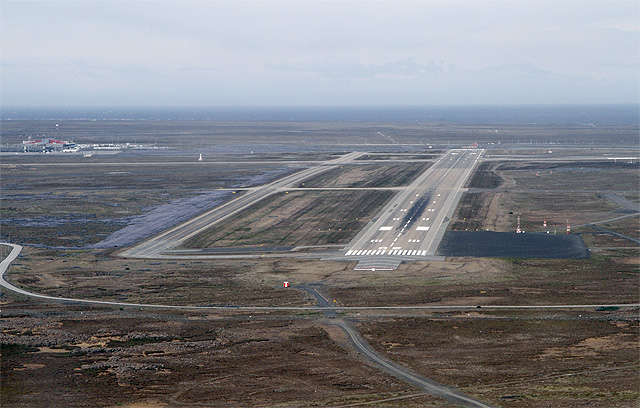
(491, 244)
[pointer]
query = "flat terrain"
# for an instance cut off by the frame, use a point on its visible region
(368, 176)
(80, 202)
(273, 136)
(530, 367)
(433, 154)
(297, 219)
(66, 354)
(579, 192)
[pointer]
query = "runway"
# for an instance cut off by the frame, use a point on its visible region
(411, 226)
(408, 228)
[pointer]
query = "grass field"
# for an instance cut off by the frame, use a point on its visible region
(555, 192)
(82, 202)
(369, 175)
(297, 218)
(434, 154)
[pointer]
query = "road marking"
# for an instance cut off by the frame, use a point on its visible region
(385, 228)
(422, 229)
(348, 253)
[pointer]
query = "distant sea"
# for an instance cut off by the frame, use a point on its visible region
(603, 115)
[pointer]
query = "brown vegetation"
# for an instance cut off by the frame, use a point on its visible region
(297, 218)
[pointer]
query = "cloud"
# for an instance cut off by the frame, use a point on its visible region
(354, 69)
(315, 52)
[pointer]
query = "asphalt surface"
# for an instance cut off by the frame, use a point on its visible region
(513, 245)
(153, 247)
(411, 226)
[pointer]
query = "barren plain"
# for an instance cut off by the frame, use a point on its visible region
(58, 353)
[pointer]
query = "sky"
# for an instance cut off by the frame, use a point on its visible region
(318, 53)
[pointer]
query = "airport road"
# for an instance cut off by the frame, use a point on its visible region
(153, 247)
(412, 224)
